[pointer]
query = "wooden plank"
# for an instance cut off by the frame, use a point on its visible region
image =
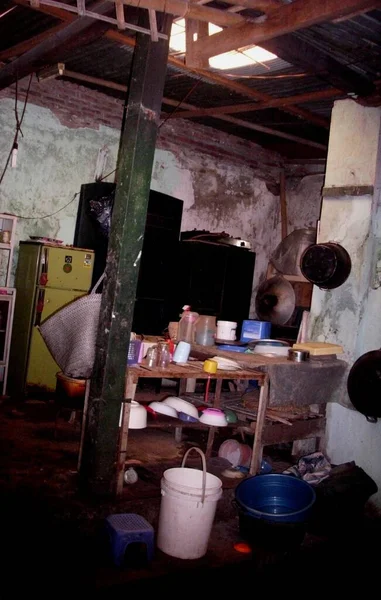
(347, 190)
(123, 441)
(256, 457)
(283, 204)
(73, 33)
(190, 10)
(277, 433)
(26, 45)
(199, 29)
(153, 25)
(288, 18)
(187, 371)
(265, 6)
(254, 106)
(119, 11)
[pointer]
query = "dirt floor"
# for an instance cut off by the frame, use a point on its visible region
(53, 537)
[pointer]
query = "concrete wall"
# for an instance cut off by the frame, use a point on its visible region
(350, 314)
(224, 181)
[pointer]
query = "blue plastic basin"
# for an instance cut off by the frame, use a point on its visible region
(275, 497)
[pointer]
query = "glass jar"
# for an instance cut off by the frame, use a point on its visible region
(152, 355)
(164, 355)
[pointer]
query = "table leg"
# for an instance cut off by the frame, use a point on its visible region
(84, 423)
(182, 386)
(178, 434)
(209, 445)
(256, 458)
(217, 395)
(123, 436)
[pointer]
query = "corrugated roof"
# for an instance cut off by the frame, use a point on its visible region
(354, 42)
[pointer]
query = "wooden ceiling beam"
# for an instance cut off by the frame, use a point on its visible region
(169, 101)
(190, 10)
(81, 30)
(26, 45)
(251, 107)
(288, 18)
(212, 77)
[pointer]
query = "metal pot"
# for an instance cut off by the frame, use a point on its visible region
(298, 355)
(364, 385)
(326, 265)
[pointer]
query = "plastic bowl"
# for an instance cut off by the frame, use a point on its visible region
(181, 406)
(214, 417)
(187, 418)
(163, 409)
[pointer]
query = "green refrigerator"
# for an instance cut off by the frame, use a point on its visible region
(48, 277)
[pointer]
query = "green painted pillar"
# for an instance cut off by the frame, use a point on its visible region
(135, 162)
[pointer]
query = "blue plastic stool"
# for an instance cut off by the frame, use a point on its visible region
(125, 529)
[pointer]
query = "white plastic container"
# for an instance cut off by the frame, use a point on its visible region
(188, 505)
(226, 330)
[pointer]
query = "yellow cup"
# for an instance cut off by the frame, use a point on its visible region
(210, 366)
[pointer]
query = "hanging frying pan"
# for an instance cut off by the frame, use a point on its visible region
(364, 385)
(326, 265)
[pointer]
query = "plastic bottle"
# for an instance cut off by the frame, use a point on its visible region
(187, 324)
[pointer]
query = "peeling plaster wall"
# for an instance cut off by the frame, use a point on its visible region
(221, 197)
(350, 314)
(222, 180)
(303, 200)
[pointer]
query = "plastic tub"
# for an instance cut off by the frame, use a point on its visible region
(273, 510)
(276, 497)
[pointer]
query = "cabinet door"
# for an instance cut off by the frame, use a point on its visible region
(201, 277)
(238, 285)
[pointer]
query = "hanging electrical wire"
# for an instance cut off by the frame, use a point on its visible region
(51, 214)
(14, 148)
(189, 93)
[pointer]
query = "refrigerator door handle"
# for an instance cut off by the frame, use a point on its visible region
(40, 307)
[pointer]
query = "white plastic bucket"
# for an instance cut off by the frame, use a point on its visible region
(226, 330)
(188, 505)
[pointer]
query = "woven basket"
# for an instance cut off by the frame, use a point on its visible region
(70, 334)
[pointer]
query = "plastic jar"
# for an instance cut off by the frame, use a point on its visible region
(205, 330)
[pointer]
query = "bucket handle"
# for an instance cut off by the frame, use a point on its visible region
(203, 468)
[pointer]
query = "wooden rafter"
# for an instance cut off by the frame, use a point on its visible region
(288, 18)
(191, 107)
(216, 78)
(251, 107)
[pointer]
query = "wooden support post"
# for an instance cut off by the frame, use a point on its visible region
(195, 30)
(209, 444)
(283, 204)
(217, 394)
(256, 458)
(135, 161)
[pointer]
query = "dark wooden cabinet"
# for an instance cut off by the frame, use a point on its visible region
(215, 279)
(154, 305)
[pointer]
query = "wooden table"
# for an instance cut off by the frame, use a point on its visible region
(318, 382)
(191, 370)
